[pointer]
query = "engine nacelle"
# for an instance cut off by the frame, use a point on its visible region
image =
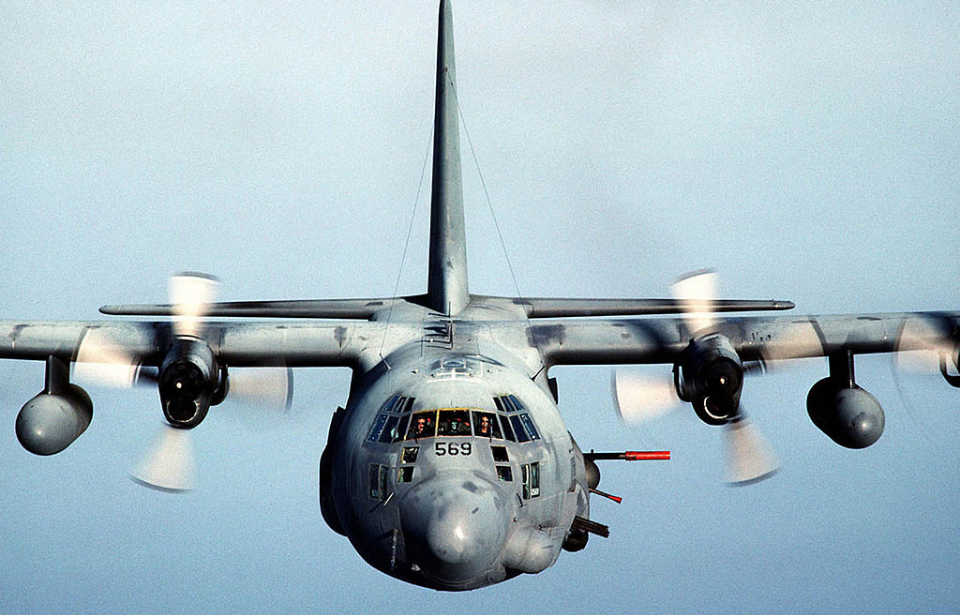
(190, 382)
(851, 416)
(712, 379)
(50, 422)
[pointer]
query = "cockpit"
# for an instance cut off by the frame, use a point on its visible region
(397, 421)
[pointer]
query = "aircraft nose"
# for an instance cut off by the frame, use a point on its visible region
(454, 529)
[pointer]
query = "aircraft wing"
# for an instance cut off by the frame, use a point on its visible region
(767, 338)
(239, 344)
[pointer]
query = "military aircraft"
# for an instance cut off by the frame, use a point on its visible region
(449, 466)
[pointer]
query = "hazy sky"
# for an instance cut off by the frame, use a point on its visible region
(809, 152)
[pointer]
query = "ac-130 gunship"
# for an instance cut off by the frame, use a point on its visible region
(450, 466)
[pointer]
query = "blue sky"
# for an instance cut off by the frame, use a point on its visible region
(807, 152)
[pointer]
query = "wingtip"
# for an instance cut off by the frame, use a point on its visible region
(158, 309)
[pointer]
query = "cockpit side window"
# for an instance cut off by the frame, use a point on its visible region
(389, 426)
(518, 428)
(377, 428)
(507, 430)
(389, 429)
(378, 481)
(517, 423)
(507, 403)
(528, 424)
(401, 429)
(530, 480)
(374, 475)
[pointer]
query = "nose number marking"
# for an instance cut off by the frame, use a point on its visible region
(453, 448)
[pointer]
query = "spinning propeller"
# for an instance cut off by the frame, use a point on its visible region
(190, 380)
(926, 347)
(709, 376)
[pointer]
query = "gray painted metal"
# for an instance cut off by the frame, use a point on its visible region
(447, 284)
(570, 308)
(306, 308)
(606, 341)
(766, 338)
(452, 521)
(55, 417)
(456, 526)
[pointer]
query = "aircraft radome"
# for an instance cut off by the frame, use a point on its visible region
(449, 465)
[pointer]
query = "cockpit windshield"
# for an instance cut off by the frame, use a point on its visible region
(485, 424)
(395, 422)
(423, 425)
(454, 423)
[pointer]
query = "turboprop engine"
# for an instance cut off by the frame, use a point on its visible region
(712, 379)
(190, 382)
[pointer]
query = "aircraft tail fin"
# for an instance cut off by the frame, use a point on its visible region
(447, 291)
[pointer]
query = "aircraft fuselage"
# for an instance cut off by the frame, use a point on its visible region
(451, 467)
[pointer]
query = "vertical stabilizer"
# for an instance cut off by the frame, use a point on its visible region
(447, 286)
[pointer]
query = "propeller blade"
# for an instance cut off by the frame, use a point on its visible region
(697, 292)
(103, 362)
(169, 464)
(917, 361)
(639, 398)
(748, 457)
(191, 294)
(263, 386)
(922, 344)
(793, 340)
(755, 368)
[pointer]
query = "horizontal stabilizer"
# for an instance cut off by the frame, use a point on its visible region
(365, 309)
(568, 308)
(307, 308)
